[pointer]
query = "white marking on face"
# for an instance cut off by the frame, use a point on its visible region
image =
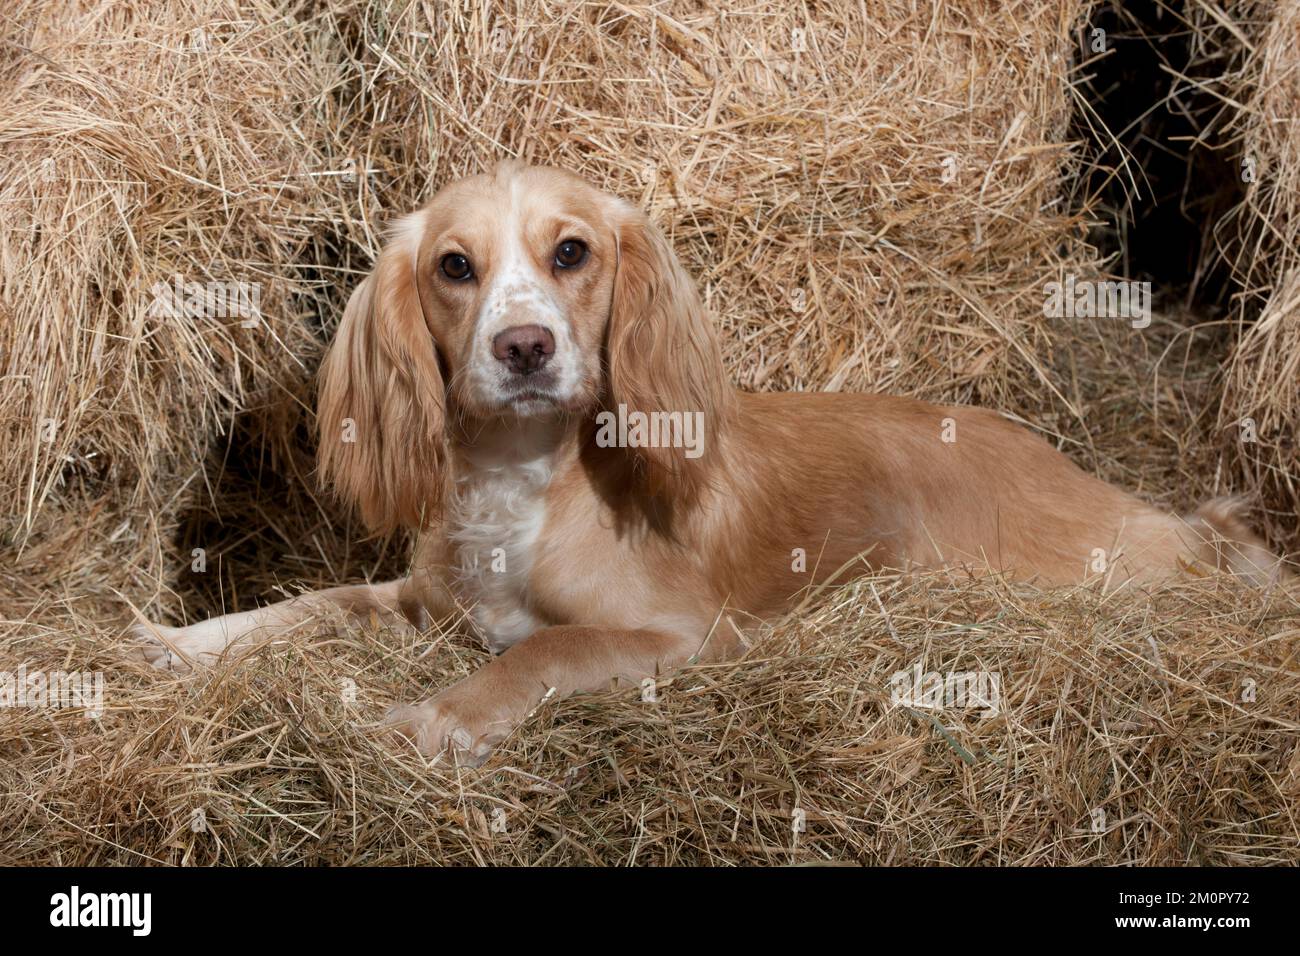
(518, 294)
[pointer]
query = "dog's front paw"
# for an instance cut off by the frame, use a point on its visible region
(176, 649)
(459, 724)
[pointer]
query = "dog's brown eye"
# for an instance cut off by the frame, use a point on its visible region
(455, 266)
(570, 253)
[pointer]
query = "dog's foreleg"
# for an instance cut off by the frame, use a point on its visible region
(180, 648)
(471, 716)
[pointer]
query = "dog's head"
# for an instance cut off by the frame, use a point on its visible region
(523, 294)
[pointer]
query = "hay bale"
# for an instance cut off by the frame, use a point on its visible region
(166, 186)
(1259, 415)
(869, 197)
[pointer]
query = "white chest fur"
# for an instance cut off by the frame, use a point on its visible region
(495, 522)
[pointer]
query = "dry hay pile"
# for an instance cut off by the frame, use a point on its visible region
(1259, 417)
(872, 198)
(1126, 732)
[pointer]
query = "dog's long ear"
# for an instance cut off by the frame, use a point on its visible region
(382, 401)
(663, 355)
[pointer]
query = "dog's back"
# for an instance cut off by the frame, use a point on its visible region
(914, 484)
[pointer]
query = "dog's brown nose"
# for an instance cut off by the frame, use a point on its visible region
(525, 348)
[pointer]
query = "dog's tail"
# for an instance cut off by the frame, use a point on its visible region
(1226, 542)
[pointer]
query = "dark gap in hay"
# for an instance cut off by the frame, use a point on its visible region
(1164, 186)
(263, 527)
